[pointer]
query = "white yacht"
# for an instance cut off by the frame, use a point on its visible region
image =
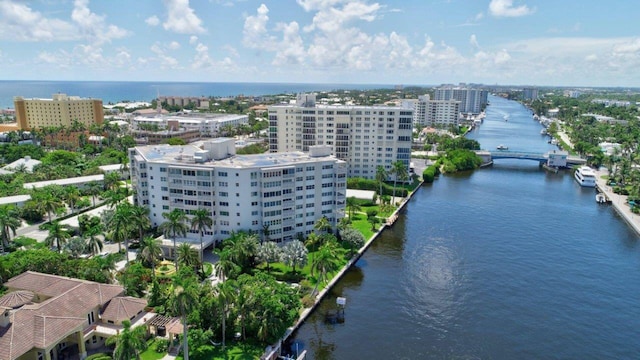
(502, 147)
(585, 176)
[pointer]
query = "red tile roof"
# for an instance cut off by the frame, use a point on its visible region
(68, 301)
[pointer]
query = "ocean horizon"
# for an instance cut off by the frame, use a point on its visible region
(116, 91)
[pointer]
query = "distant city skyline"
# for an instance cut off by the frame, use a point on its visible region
(418, 42)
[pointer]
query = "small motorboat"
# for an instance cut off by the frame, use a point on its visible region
(502, 147)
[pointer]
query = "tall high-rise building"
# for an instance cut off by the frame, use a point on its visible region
(529, 94)
(284, 193)
(364, 136)
(437, 113)
(60, 110)
(472, 101)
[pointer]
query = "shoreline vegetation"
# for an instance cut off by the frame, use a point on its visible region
(229, 301)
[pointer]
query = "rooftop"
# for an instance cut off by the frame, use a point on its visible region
(185, 154)
(69, 181)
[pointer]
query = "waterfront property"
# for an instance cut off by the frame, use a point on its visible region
(472, 101)
(364, 136)
(440, 113)
(280, 196)
(49, 317)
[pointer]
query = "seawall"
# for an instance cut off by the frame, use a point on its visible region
(619, 202)
(275, 352)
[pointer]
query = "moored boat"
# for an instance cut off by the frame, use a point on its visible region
(585, 176)
(502, 147)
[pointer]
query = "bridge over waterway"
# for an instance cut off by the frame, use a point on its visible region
(543, 158)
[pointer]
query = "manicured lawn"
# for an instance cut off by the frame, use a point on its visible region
(150, 353)
(233, 351)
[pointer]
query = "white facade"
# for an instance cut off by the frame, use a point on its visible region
(364, 136)
(436, 113)
(471, 100)
(208, 125)
(288, 192)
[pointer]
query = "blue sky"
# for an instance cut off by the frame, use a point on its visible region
(422, 42)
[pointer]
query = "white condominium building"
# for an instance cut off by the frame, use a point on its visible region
(208, 125)
(363, 136)
(471, 100)
(436, 113)
(60, 110)
(285, 193)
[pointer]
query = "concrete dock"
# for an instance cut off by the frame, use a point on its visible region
(619, 202)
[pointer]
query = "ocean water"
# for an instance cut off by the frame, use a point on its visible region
(146, 91)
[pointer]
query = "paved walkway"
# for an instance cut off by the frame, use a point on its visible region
(619, 202)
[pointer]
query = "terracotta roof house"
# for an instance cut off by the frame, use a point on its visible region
(49, 317)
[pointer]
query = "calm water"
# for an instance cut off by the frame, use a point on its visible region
(504, 263)
(146, 91)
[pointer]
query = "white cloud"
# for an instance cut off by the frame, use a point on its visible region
(93, 25)
(181, 18)
(505, 8)
(310, 5)
(193, 39)
(291, 50)
(330, 18)
(174, 45)
(152, 21)
(231, 50)
(165, 60)
(473, 40)
(591, 58)
(19, 22)
(501, 57)
(203, 61)
(255, 29)
(479, 16)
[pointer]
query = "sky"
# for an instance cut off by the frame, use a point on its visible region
(411, 42)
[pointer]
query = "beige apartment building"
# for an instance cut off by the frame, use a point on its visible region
(60, 110)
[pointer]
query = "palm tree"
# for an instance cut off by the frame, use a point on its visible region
(94, 244)
(242, 248)
(381, 176)
(344, 223)
(58, 235)
(225, 268)
(353, 206)
(225, 292)
(322, 224)
(71, 196)
(49, 203)
(129, 343)
(9, 223)
(400, 172)
(268, 252)
(112, 181)
(323, 263)
(184, 299)
(188, 256)
(94, 188)
(140, 220)
(313, 241)
(120, 225)
(294, 253)
(174, 226)
(150, 251)
(201, 221)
